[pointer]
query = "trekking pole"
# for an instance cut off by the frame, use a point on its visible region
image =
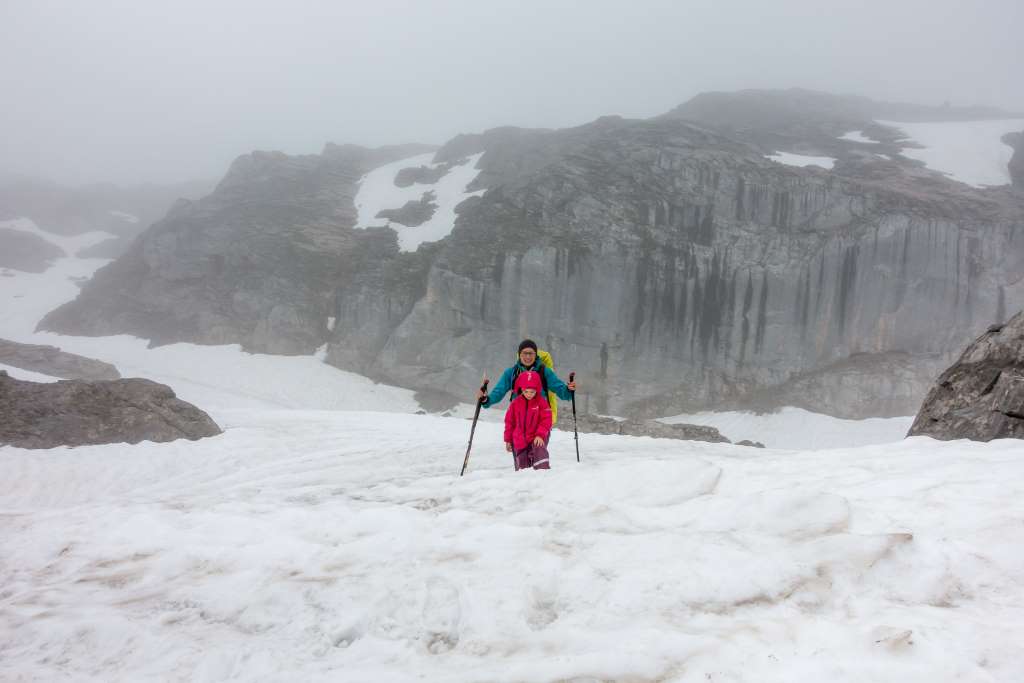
(575, 432)
(476, 414)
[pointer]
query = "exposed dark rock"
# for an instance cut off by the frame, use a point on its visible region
(597, 424)
(1016, 165)
(752, 444)
(78, 413)
(981, 396)
(50, 360)
(421, 174)
(26, 252)
(413, 212)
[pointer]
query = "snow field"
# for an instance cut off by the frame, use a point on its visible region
(305, 545)
(969, 151)
(795, 428)
(377, 191)
(790, 159)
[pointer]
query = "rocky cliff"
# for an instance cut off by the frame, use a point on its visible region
(257, 262)
(668, 261)
(981, 396)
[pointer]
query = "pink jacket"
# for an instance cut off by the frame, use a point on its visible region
(524, 419)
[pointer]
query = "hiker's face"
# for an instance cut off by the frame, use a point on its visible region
(529, 394)
(527, 356)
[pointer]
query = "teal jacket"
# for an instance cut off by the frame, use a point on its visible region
(504, 384)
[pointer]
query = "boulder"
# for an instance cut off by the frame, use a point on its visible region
(79, 413)
(50, 360)
(981, 396)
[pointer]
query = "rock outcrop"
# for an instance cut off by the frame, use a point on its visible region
(78, 413)
(20, 250)
(667, 261)
(981, 396)
(596, 424)
(50, 360)
(1016, 165)
(412, 213)
(258, 262)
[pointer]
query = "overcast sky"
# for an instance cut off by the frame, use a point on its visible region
(140, 90)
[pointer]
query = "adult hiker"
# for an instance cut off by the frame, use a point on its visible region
(528, 360)
(528, 424)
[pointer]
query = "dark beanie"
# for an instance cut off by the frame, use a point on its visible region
(527, 344)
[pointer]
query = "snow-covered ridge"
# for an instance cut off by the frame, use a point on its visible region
(790, 159)
(969, 151)
(71, 244)
(377, 191)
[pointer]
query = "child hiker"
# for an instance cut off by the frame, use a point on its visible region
(528, 424)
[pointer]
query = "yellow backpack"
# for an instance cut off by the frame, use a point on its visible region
(546, 359)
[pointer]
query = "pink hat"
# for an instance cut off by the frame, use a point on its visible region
(528, 380)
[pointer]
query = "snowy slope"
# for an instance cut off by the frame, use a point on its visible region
(321, 546)
(377, 191)
(800, 429)
(969, 151)
(802, 160)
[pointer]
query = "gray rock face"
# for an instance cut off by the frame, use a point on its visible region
(981, 396)
(596, 424)
(258, 262)
(50, 360)
(20, 250)
(78, 413)
(677, 269)
(670, 264)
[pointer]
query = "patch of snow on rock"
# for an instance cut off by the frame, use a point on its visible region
(969, 151)
(27, 375)
(790, 159)
(377, 191)
(125, 216)
(857, 136)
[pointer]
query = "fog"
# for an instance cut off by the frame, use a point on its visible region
(144, 92)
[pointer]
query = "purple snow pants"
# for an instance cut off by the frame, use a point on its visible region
(532, 456)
